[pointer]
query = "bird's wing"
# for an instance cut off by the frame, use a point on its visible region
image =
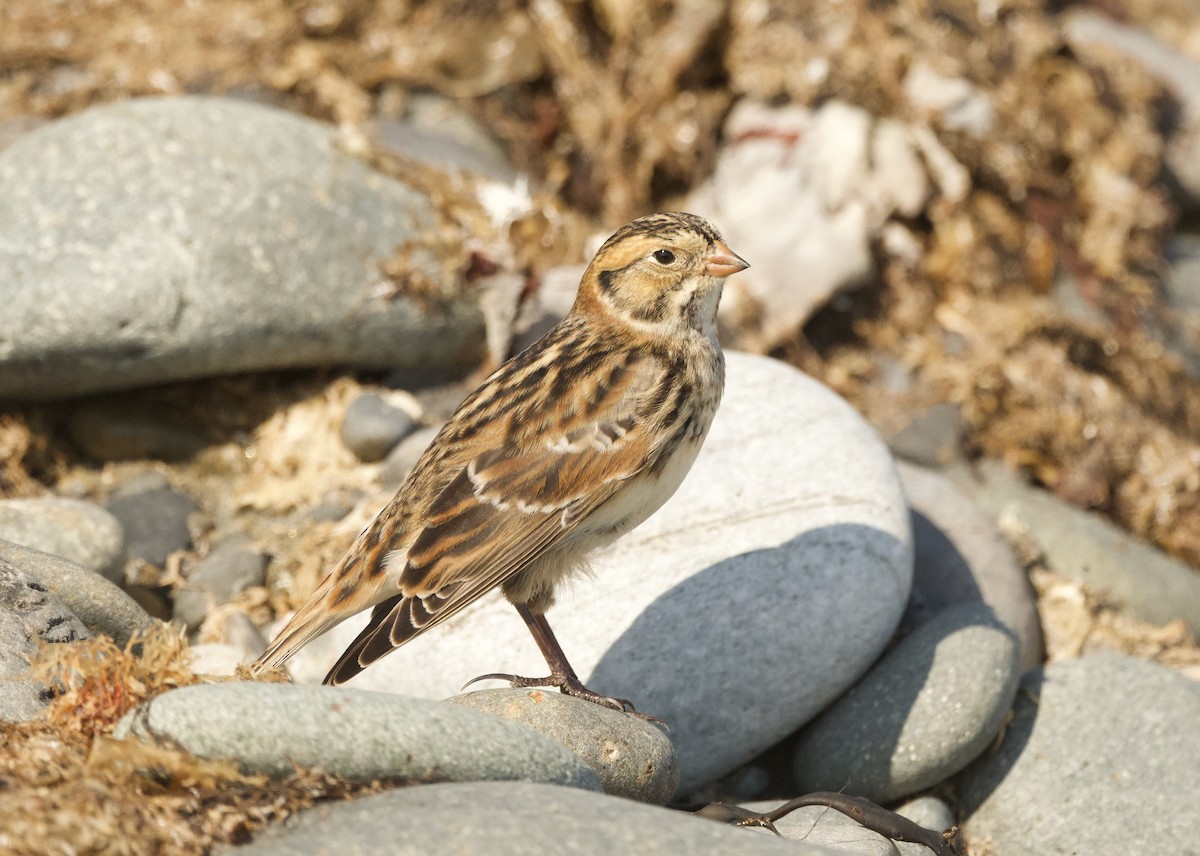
(506, 508)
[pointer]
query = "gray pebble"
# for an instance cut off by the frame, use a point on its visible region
(631, 757)
(1181, 289)
(21, 699)
(207, 236)
(120, 431)
(960, 556)
(333, 507)
(1086, 547)
(372, 427)
(931, 438)
(28, 612)
(1101, 758)
(155, 521)
(929, 812)
(100, 605)
(921, 714)
(218, 578)
(510, 819)
(244, 635)
(354, 734)
(455, 142)
(405, 456)
(76, 530)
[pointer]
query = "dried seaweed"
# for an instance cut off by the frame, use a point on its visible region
(67, 786)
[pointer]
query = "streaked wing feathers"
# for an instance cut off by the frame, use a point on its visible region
(501, 512)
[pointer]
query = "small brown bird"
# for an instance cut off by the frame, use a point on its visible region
(567, 446)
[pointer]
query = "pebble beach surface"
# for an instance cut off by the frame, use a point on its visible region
(805, 614)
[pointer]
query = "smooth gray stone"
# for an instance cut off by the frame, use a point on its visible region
(922, 713)
(100, 605)
(28, 612)
(631, 757)
(405, 455)
(1101, 757)
(122, 430)
(1181, 288)
(929, 812)
(218, 578)
(780, 568)
(814, 824)
(155, 521)
(267, 728)
(960, 556)
(1086, 547)
(244, 635)
(509, 819)
(371, 427)
(78, 531)
(160, 239)
(21, 698)
(931, 438)
(1183, 284)
(45, 616)
(452, 145)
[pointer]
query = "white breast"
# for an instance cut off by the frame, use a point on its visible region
(641, 496)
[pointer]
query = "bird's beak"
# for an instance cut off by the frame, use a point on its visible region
(724, 261)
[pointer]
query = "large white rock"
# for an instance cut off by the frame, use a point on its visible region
(762, 590)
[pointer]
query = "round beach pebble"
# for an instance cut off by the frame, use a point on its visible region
(510, 819)
(155, 518)
(959, 556)
(759, 593)
(1101, 757)
(100, 605)
(29, 613)
(371, 427)
(270, 728)
(159, 239)
(631, 757)
(218, 578)
(76, 530)
(922, 713)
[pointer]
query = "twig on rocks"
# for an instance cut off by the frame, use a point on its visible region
(873, 817)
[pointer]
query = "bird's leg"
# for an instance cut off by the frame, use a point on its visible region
(561, 674)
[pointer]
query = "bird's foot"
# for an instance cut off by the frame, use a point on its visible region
(572, 686)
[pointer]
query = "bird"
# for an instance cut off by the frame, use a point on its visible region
(568, 445)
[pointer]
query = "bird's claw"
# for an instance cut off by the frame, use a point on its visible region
(572, 687)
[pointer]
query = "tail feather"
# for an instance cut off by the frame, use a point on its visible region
(372, 643)
(320, 613)
(299, 631)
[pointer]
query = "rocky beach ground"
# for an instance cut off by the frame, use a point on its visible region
(940, 550)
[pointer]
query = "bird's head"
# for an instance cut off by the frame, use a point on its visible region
(662, 271)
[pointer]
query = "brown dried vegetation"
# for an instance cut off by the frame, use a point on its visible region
(67, 786)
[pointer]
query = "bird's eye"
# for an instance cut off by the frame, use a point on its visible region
(664, 257)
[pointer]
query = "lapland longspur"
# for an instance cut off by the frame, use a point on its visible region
(568, 445)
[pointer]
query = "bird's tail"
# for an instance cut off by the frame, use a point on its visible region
(329, 605)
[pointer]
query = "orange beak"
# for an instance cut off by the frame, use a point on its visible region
(724, 261)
